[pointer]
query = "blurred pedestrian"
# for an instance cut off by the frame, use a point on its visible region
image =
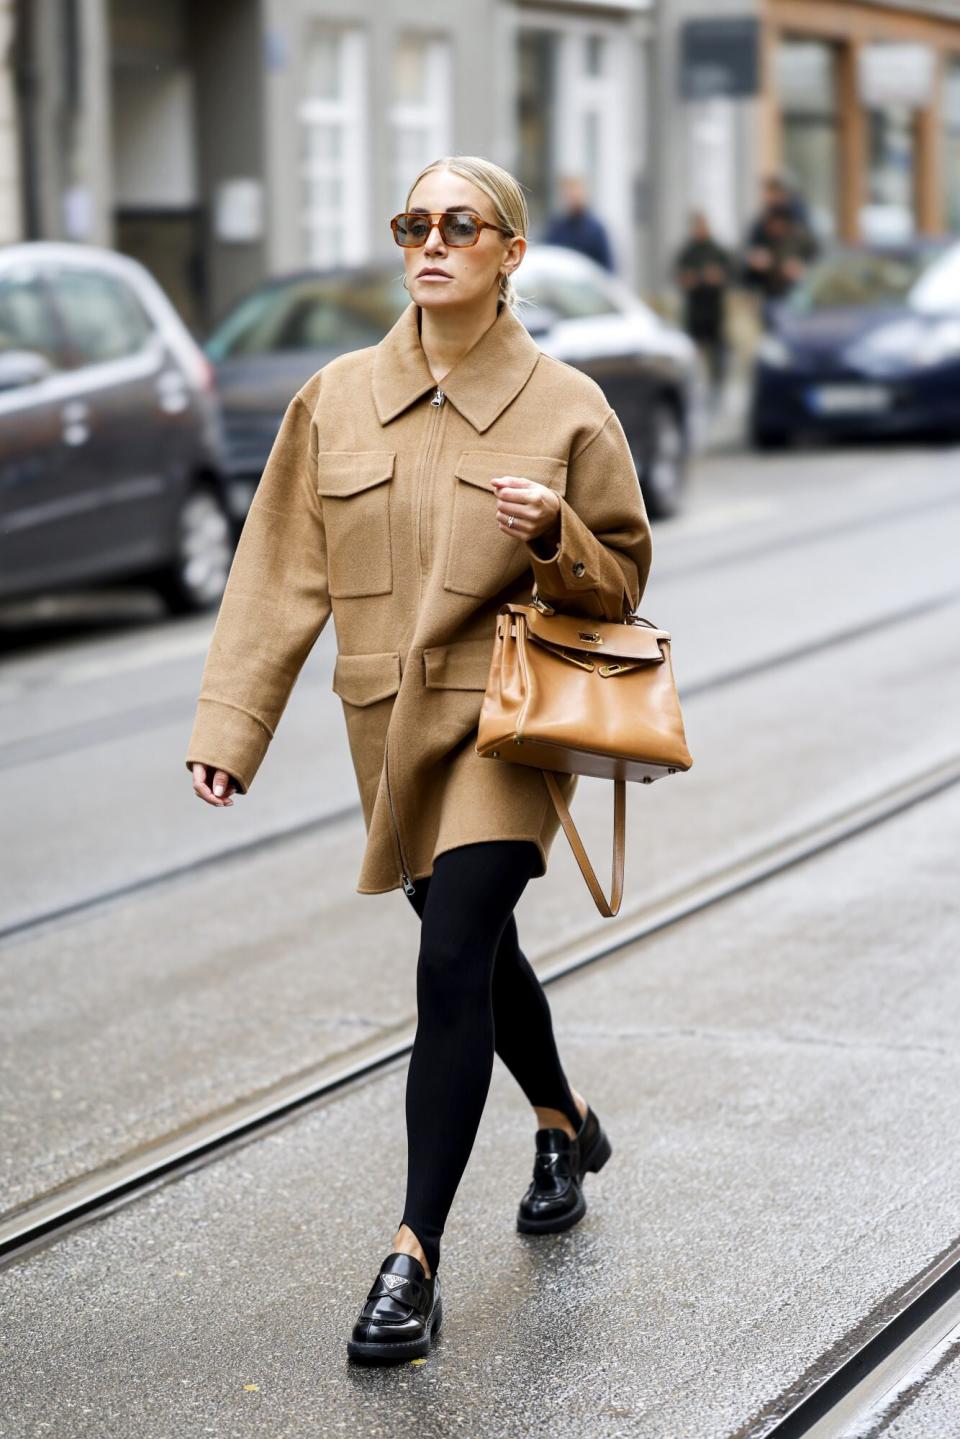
(703, 270)
(779, 191)
(779, 255)
(576, 226)
(384, 502)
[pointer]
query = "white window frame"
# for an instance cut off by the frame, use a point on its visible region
(349, 113)
(432, 114)
(608, 97)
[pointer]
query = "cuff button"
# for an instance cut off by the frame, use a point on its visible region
(579, 567)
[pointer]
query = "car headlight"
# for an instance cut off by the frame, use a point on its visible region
(941, 342)
(906, 344)
(772, 351)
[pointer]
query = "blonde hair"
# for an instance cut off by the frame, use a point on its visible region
(504, 192)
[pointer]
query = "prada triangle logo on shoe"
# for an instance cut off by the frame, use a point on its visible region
(392, 1280)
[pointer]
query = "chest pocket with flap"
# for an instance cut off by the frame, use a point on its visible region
(481, 557)
(355, 488)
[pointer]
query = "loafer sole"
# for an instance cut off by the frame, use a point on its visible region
(398, 1351)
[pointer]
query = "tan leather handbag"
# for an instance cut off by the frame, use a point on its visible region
(583, 696)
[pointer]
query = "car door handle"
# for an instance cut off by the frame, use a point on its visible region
(76, 430)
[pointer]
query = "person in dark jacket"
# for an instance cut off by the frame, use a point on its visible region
(703, 271)
(577, 227)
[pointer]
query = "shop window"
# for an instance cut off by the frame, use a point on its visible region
(806, 80)
(890, 211)
(333, 149)
(420, 113)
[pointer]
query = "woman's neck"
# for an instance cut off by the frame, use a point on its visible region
(447, 335)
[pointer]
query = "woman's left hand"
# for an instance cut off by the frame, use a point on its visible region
(536, 507)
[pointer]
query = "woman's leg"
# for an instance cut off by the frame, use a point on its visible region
(524, 1034)
(471, 895)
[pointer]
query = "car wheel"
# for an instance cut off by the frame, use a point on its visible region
(196, 577)
(664, 471)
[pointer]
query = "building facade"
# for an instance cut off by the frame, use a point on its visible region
(224, 142)
(856, 101)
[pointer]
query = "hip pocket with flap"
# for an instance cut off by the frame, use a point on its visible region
(356, 516)
(364, 679)
(481, 558)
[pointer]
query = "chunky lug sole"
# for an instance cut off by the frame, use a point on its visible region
(400, 1351)
(594, 1161)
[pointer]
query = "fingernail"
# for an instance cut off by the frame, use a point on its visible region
(218, 789)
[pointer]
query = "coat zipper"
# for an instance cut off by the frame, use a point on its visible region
(408, 884)
(437, 403)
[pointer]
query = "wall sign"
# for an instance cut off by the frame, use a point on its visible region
(720, 57)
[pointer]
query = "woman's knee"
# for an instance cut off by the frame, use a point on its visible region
(453, 975)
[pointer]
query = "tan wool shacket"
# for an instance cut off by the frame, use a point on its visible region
(375, 504)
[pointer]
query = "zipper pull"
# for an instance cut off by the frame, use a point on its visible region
(408, 884)
(438, 398)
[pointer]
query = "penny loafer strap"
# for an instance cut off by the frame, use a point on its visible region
(401, 1287)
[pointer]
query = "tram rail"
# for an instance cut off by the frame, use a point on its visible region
(50, 1216)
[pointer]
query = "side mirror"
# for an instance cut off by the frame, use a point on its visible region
(19, 368)
(539, 319)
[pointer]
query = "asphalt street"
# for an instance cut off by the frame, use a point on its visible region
(777, 1073)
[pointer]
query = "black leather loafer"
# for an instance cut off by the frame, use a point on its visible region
(401, 1314)
(555, 1199)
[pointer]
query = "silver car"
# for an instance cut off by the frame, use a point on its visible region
(111, 442)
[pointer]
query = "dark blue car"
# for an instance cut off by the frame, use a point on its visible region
(867, 343)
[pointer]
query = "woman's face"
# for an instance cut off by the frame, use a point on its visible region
(470, 272)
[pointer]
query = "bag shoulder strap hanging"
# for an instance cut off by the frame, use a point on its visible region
(608, 908)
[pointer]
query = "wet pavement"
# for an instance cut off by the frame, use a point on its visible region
(777, 1073)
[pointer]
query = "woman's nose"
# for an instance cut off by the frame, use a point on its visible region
(430, 243)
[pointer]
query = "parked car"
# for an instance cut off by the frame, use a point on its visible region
(277, 336)
(111, 440)
(868, 342)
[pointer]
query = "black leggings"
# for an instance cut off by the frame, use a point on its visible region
(476, 993)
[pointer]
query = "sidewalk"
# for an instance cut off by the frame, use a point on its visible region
(777, 1077)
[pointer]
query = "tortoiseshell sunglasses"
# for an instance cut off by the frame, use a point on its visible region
(458, 228)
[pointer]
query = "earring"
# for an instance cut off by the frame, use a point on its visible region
(403, 281)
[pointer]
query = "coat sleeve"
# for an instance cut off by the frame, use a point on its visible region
(602, 560)
(274, 606)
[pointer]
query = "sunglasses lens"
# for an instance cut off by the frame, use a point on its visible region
(412, 229)
(460, 229)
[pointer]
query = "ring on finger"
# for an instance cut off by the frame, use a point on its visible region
(511, 521)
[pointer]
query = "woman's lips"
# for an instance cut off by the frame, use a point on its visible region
(434, 276)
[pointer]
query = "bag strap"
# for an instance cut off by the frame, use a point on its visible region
(608, 908)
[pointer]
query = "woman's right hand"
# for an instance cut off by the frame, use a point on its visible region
(213, 785)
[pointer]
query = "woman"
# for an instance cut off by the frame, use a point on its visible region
(411, 489)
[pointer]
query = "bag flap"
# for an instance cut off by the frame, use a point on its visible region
(605, 638)
(344, 472)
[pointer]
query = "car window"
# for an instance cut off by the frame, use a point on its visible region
(861, 279)
(938, 289)
(102, 317)
(309, 315)
(577, 297)
(26, 319)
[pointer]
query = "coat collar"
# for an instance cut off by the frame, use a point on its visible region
(482, 382)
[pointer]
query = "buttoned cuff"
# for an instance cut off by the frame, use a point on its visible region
(228, 738)
(579, 565)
